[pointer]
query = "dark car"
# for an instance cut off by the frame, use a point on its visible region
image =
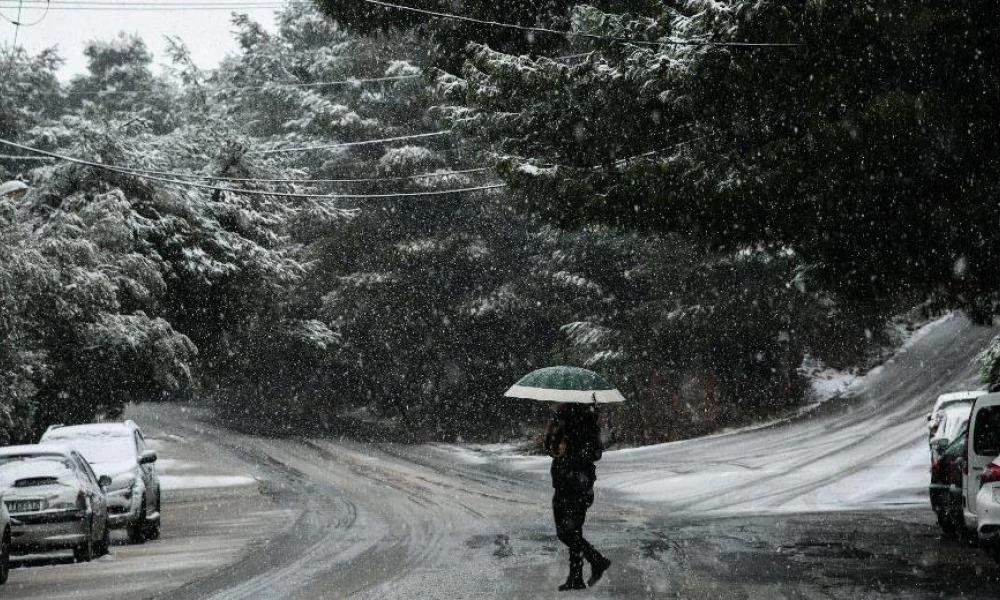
(946, 483)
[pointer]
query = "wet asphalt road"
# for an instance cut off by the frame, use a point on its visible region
(338, 519)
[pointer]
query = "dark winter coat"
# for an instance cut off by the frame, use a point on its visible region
(574, 472)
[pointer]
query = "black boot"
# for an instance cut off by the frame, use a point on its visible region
(575, 579)
(597, 568)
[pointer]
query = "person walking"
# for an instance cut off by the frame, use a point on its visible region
(573, 440)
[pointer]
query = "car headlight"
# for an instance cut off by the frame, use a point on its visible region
(123, 489)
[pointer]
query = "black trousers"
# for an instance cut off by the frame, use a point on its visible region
(570, 511)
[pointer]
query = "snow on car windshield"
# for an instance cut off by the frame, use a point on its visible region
(7, 461)
(952, 418)
(100, 448)
(16, 467)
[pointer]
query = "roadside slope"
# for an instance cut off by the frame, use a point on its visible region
(862, 452)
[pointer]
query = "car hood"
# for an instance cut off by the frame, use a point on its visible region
(115, 469)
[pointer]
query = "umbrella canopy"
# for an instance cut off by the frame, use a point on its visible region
(15, 189)
(565, 384)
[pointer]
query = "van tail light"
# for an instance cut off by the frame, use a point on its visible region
(991, 474)
(935, 466)
(81, 500)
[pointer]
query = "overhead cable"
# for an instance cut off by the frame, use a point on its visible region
(263, 86)
(353, 144)
(196, 185)
(568, 34)
(124, 7)
(21, 157)
(18, 22)
(183, 175)
(127, 3)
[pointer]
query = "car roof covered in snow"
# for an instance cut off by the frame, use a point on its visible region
(957, 397)
(33, 449)
(90, 430)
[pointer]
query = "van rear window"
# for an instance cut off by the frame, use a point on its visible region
(987, 428)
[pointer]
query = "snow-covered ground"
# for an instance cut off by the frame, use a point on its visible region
(868, 450)
(184, 475)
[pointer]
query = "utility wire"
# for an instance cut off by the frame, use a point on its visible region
(183, 175)
(433, 175)
(567, 34)
(352, 144)
(19, 157)
(266, 85)
(192, 184)
(164, 7)
(18, 23)
(126, 4)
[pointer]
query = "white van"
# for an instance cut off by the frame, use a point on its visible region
(982, 449)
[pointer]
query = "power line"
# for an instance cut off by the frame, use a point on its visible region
(19, 157)
(202, 186)
(568, 34)
(265, 85)
(433, 175)
(149, 2)
(138, 7)
(353, 144)
(18, 23)
(180, 174)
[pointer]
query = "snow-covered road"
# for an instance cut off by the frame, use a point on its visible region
(868, 451)
(759, 513)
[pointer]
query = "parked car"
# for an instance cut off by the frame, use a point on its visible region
(4, 544)
(55, 501)
(988, 509)
(946, 483)
(981, 473)
(966, 398)
(119, 450)
(948, 422)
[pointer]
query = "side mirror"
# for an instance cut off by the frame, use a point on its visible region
(104, 481)
(148, 457)
(928, 417)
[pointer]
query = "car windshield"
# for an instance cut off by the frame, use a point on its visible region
(951, 420)
(16, 470)
(957, 446)
(101, 448)
(6, 461)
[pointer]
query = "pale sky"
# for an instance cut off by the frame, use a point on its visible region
(206, 32)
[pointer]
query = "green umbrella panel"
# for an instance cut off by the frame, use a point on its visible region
(565, 384)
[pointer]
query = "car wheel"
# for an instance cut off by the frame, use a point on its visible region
(948, 524)
(993, 549)
(85, 551)
(5, 557)
(137, 530)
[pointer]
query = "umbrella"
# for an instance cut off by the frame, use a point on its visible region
(565, 384)
(14, 189)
